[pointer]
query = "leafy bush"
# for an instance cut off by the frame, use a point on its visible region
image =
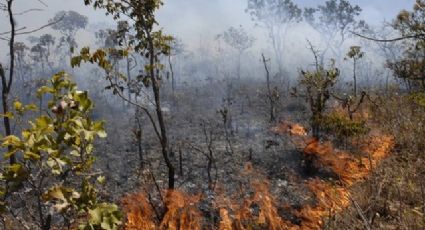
(342, 127)
(52, 176)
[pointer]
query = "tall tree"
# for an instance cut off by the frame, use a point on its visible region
(276, 16)
(68, 23)
(152, 44)
(411, 68)
(6, 82)
(48, 41)
(355, 53)
(238, 39)
(334, 20)
(21, 52)
(177, 47)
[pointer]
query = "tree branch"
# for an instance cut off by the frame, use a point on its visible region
(413, 36)
(34, 30)
(27, 11)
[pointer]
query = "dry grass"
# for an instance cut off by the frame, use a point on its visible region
(394, 196)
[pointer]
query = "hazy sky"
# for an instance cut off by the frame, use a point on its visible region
(188, 19)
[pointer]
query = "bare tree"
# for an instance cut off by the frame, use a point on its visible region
(176, 48)
(272, 94)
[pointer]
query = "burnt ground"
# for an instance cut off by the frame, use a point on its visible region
(275, 156)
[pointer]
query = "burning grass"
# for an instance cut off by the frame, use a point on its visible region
(181, 213)
(257, 207)
(349, 167)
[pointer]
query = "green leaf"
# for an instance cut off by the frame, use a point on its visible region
(31, 156)
(11, 141)
(62, 197)
(104, 216)
(31, 107)
(102, 134)
(18, 106)
(8, 115)
(43, 90)
(101, 179)
(43, 122)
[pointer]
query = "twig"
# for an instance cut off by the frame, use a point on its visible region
(34, 30)
(42, 3)
(27, 11)
(360, 212)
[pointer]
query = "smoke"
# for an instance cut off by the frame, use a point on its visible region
(197, 22)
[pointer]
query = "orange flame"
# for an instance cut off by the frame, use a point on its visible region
(330, 200)
(182, 212)
(139, 213)
(259, 209)
(292, 129)
(349, 168)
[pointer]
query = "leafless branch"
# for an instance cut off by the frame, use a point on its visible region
(27, 11)
(42, 3)
(34, 30)
(413, 36)
(146, 110)
(360, 212)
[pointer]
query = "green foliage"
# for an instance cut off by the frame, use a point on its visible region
(411, 24)
(99, 57)
(150, 43)
(103, 216)
(320, 80)
(55, 155)
(418, 98)
(355, 52)
(342, 127)
(316, 89)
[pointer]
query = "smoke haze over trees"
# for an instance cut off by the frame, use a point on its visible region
(212, 114)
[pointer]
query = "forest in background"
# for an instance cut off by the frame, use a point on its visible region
(320, 128)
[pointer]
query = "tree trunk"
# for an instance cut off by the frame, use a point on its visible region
(173, 81)
(269, 92)
(128, 77)
(355, 78)
(159, 114)
(7, 84)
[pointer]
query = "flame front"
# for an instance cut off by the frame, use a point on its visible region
(239, 214)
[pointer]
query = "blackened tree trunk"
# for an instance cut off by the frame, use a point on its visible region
(7, 83)
(160, 116)
(269, 92)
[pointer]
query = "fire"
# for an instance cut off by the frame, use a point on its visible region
(331, 199)
(347, 166)
(226, 222)
(244, 216)
(240, 215)
(256, 208)
(182, 212)
(139, 212)
(292, 129)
